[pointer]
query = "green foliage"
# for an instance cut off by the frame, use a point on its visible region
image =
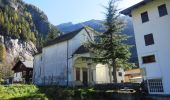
(24, 92)
(15, 25)
(27, 22)
(53, 33)
(110, 49)
(2, 53)
(32, 92)
(2, 59)
(18, 90)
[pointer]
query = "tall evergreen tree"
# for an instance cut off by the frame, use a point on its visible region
(53, 33)
(109, 47)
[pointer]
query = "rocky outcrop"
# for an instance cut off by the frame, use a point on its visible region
(16, 48)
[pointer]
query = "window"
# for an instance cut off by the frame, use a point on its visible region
(24, 73)
(162, 10)
(148, 59)
(30, 73)
(155, 85)
(149, 40)
(144, 17)
(120, 73)
(78, 74)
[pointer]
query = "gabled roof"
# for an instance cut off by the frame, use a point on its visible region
(129, 10)
(64, 37)
(26, 63)
(81, 50)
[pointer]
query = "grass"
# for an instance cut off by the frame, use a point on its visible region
(20, 91)
(32, 92)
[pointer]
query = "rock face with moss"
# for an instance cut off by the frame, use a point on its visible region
(18, 48)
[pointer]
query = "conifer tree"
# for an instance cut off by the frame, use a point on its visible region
(109, 47)
(53, 33)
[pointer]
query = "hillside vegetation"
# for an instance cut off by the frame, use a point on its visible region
(23, 21)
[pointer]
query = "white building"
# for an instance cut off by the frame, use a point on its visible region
(151, 20)
(64, 61)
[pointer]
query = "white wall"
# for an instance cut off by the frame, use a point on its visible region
(102, 74)
(120, 78)
(55, 62)
(18, 77)
(54, 58)
(160, 27)
(74, 44)
(38, 70)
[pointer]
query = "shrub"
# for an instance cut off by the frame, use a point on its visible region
(17, 90)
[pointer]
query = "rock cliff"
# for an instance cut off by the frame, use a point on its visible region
(16, 48)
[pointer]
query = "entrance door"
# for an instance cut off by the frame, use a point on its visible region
(85, 77)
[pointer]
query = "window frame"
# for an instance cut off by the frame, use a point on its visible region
(162, 10)
(149, 40)
(120, 74)
(145, 17)
(148, 62)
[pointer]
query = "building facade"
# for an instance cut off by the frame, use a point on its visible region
(151, 20)
(64, 61)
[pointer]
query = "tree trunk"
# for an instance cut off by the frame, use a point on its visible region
(110, 73)
(114, 72)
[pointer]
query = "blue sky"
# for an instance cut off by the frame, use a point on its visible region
(62, 11)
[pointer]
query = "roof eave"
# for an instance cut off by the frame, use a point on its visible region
(129, 10)
(50, 43)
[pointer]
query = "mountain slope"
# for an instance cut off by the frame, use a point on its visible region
(68, 27)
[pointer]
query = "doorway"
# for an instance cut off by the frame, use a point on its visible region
(85, 77)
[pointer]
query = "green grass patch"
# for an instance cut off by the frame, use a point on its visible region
(19, 91)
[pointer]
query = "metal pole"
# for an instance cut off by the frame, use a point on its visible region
(67, 62)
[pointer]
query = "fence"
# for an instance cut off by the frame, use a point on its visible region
(118, 86)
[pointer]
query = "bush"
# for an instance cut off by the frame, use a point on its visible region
(18, 91)
(2, 81)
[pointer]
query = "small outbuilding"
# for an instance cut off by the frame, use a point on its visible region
(23, 72)
(133, 76)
